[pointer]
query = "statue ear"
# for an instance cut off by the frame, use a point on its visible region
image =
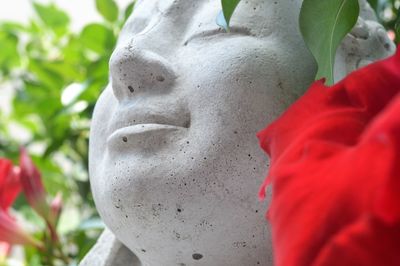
(109, 251)
(366, 12)
(367, 42)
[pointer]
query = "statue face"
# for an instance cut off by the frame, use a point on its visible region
(174, 161)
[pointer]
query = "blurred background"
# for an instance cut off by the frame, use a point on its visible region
(53, 65)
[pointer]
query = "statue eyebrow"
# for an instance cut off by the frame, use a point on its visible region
(207, 33)
(170, 6)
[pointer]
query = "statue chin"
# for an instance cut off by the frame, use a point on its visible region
(175, 166)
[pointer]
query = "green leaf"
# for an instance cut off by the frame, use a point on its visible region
(129, 10)
(374, 4)
(9, 56)
(53, 17)
(228, 7)
(97, 38)
(108, 9)
(323, 25)
(49, 77)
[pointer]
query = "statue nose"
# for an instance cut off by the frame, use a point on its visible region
(135, 71)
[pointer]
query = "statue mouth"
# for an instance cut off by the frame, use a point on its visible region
(147, 129)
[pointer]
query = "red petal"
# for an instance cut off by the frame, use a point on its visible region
(334, 163)
(9, 184)
(366, 242)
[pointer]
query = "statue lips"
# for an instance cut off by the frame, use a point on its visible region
(146, 129)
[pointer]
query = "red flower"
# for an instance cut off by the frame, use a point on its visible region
(335, 172)
(9, 183)
(10, 187)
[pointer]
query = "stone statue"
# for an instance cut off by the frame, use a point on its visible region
(175, 165)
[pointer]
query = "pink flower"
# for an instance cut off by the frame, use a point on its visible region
(54, 215)
(55, 209)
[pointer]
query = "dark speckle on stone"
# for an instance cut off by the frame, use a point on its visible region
(160, 78)
(179, 210)
(124, 139)
(143, 250)
(131, 89)
(197, 256)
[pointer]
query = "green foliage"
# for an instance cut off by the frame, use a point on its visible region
(323, 25)
(9, 56)
(387, 12)
(108, 9)
(97, 38)
(374, 4)
(397, 26)
(129, 9)
(55, 77)
(52, 17)
(228, 7)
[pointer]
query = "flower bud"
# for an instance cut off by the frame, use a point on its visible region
(55, 208)
(32, 185)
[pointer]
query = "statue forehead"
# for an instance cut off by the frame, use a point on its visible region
(165, 5)
(257, 15)
(185, 5)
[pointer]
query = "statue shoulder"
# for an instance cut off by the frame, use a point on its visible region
(109, 251)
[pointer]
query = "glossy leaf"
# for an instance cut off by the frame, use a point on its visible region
(228, 7)
(108, 9)
(323, 25)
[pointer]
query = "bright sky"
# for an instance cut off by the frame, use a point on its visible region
(81, 11)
